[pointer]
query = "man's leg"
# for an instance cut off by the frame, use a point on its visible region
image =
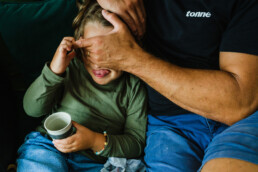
(39, 154)
(229, 165)
(235, 149)
(171, 145)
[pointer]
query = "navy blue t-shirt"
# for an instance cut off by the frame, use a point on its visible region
(191, 33)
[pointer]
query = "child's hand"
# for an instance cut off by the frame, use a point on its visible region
(84, 138)
(61, 59)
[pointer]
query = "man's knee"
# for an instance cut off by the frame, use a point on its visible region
(229, 165)
(169, 150)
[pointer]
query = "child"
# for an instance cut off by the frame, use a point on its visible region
(99, 100)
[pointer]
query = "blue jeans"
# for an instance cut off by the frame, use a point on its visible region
(184, 143)
(38, 154)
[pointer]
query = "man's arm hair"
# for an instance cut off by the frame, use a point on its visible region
(226, 95)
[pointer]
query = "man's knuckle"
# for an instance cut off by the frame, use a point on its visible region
(142, 19)
(130, 5)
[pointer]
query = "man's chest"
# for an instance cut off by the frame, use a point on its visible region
(187, 27)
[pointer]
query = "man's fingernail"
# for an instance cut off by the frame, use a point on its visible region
(104, 11)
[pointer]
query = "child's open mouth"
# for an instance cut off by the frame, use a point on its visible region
(101, 73)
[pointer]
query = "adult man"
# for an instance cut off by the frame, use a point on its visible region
(202, 59)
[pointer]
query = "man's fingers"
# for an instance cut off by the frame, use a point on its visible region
(83, 43)
(135, 17)
(113, 19)
(142, 18)
(143, 12)
(130, 22)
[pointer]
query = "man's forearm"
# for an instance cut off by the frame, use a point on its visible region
(214, 94)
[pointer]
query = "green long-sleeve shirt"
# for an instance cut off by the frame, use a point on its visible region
(119, 108)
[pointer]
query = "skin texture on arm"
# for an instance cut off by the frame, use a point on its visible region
(226, 95)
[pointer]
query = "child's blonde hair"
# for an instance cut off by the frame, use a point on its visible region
(89, 11)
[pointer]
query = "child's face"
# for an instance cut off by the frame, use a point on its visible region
(101, 76)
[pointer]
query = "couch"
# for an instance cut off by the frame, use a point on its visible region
(30, 31)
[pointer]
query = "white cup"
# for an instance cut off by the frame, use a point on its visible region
(59, 125)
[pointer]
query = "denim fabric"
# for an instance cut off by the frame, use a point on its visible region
(182, 143)
(240, 141)
(38, 154)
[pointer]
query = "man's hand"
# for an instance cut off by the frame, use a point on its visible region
(131, 11)
(84, 138)
(61, 59)
(114, 50)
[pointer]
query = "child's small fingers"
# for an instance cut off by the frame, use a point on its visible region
(75, 124)
(69, 48)
(63, 146)
(71, 55)
(66, 148)
(63, 150)
(67, 42)
(66, 141)
(71, 39)
(66, 47)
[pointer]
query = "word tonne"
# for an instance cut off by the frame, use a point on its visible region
(198, 14)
